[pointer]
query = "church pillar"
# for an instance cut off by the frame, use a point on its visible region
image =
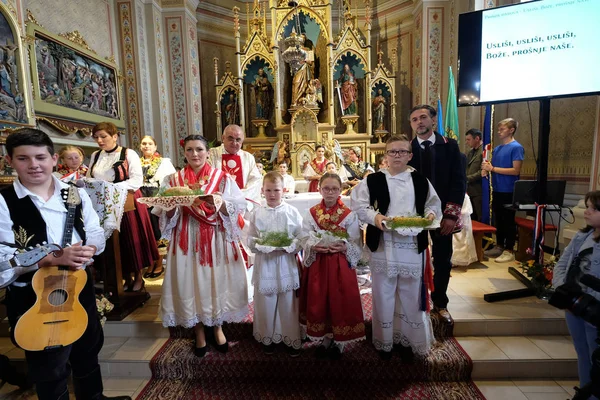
(430, 47)
(181, 56)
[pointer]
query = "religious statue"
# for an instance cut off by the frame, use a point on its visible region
(231, 111)
(304, 84)
(347, 91)
(379, 111)
(263, 93)
(280, 153)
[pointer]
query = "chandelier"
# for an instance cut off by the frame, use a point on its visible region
(294, 54)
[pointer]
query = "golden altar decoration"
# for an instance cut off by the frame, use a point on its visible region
(297, 84)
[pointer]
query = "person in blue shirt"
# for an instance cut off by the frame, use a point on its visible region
(507, 159)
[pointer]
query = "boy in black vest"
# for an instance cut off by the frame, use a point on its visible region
(32, 212)
(398, 261)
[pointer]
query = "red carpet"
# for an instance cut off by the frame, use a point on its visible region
(246, 372)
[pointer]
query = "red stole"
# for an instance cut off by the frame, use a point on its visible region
(209, 179)
(232, 165)
(330, 218)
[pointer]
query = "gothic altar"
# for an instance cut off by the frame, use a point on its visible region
(297, 85)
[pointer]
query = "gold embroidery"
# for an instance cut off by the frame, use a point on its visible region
(21, 237)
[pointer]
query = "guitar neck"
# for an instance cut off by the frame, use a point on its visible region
(69, 224)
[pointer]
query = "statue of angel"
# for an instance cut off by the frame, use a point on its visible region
(333, 150)
(279, 153)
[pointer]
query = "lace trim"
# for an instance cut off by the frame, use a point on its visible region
(233, 232)
(276, 289)
(353, 253)
(278, 338)
(414, 325)
(421, 348)
(400, 245)
(381, 346)
(171, 319)
(168, 224)
(395, 269)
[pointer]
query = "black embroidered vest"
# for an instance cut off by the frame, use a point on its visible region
(379, 198)
(28, 225)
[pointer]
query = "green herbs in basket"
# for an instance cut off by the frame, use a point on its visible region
(180, 191)
(274, 239)
(408, 222)
(338, 234)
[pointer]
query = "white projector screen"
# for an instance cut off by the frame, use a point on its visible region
(548, 48)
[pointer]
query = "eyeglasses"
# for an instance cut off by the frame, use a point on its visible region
(396, 153)
(330, 189)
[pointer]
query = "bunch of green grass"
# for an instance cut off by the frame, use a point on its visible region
(408, 222)
(274, 239)
(340, 234)
(195, 192)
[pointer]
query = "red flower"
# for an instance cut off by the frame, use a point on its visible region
(182, 143)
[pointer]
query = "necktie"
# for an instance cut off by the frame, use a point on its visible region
(426, 161)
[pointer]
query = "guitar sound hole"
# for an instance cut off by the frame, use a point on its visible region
(57, 297)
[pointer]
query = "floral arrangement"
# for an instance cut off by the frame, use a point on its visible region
(103, 306)
(540, 274)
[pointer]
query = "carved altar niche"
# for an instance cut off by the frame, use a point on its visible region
(304, 126)
(383, 95)
(316, 86)
(301, 156)
(258, 82)
(228, 99)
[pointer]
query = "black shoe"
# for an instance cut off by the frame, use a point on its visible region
(200, 351)
(223, 348)
(293, 352)
(444, 315)
(268, 348)
(321, 352)
(335, 353)
(115, 398)
(385, 355)
(157, 274)
(406, 354)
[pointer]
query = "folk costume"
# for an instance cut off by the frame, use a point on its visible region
(137, 243)
(27, 220)
(276, 277)
(205, 278)
(314, 168)
(399, 264)
(330, 304)
(66, 174)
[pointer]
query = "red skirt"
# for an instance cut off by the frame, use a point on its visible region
(330, 300)
(136, 238)
(313, 186)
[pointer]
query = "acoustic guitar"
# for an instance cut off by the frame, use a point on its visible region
(57, 318)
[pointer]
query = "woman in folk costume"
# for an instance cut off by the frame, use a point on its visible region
(399, 263)
(330, 304)
(315, 169)
(72, 166)
(155, 168)
(122, 166)
(205, 280)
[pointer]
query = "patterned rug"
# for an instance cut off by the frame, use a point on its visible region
(246, 372)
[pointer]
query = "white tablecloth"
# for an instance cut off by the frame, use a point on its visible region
(108, 201)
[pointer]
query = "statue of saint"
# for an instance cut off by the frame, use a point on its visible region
(348, 91)
(304, 75)
(379, 111)
(232, 116)
(263, 94)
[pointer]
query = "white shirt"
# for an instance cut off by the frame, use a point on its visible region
(54, 214)
(289, 183)
(430, 138)
(103, 168)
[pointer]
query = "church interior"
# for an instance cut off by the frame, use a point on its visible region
(343, 74)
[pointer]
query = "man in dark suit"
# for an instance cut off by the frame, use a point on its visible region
(474, 160)
(439, 159)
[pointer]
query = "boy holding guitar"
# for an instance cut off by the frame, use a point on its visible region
(33, 212)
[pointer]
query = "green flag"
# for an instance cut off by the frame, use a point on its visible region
(451, 122)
